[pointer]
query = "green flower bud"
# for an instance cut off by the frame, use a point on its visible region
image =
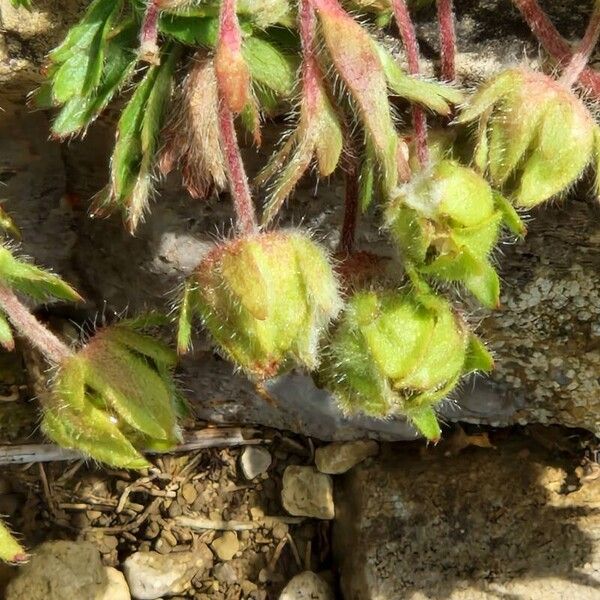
(265, 299)
(114, 397)
(400, 353)
(535, 137)
(446, 222)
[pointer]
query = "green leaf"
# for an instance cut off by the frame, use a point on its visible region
(82, 35)
(119, 64)
(69, 80)
(32, 280)
(6, 336)
(8, 224)
(21, 4)
(269, 66)
(190, 30)
(144, 345)
(436, 96)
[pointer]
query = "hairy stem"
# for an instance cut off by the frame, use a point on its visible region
(411, 46)
(311, 72)
(236, 174)
(31, 329)
(580, 58)
(445, 11)
(549, 37)
(350, 206)
(149, 33)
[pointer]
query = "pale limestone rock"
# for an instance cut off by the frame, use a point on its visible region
(306, 586)
(307, 493)
(226, 545)
(340, 457)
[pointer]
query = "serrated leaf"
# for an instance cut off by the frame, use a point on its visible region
(82, 35)
(119, 64)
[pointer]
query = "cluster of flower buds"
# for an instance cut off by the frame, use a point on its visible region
(266, 299)
(535, 137)
(446, 221)
(400, 353)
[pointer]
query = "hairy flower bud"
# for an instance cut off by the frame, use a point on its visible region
(400, 353)
(265, 299)
(446, 222)
(535, 136)
(113, 397)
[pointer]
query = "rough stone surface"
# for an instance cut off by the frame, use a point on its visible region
(514, 522)
(306, 586)
(60, 570)
(545, 338)
(340, 457)
(226, 545)
(307, 493)
(151, 575)
(254, 461)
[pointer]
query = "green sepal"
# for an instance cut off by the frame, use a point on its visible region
(510, 216)
(478, 358)
(186, 317)
(11, 551)
(426, 422)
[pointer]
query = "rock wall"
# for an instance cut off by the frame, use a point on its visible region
(546, 336)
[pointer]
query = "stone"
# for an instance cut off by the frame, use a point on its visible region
(254, 461)
(340, 457)
(59, 570)
(480, 525)
(307, 586)
(307, 493)
(226, 546)
(151, 575)
(117, 588)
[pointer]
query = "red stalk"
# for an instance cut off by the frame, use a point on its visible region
(580, 58)
(549, 37)
(350, 207)
(411, 46)
(236, 174)
(311, 72)
(30, 328)
(447, 38)
(149, 33)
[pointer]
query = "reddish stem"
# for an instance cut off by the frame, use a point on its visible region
(411, 46)
(149, 33)
(236, 174)
(31, 329)
(549, 37)
(230, 33)
(445, 11)
(350, 207)
(311, 72)
(580, 58)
